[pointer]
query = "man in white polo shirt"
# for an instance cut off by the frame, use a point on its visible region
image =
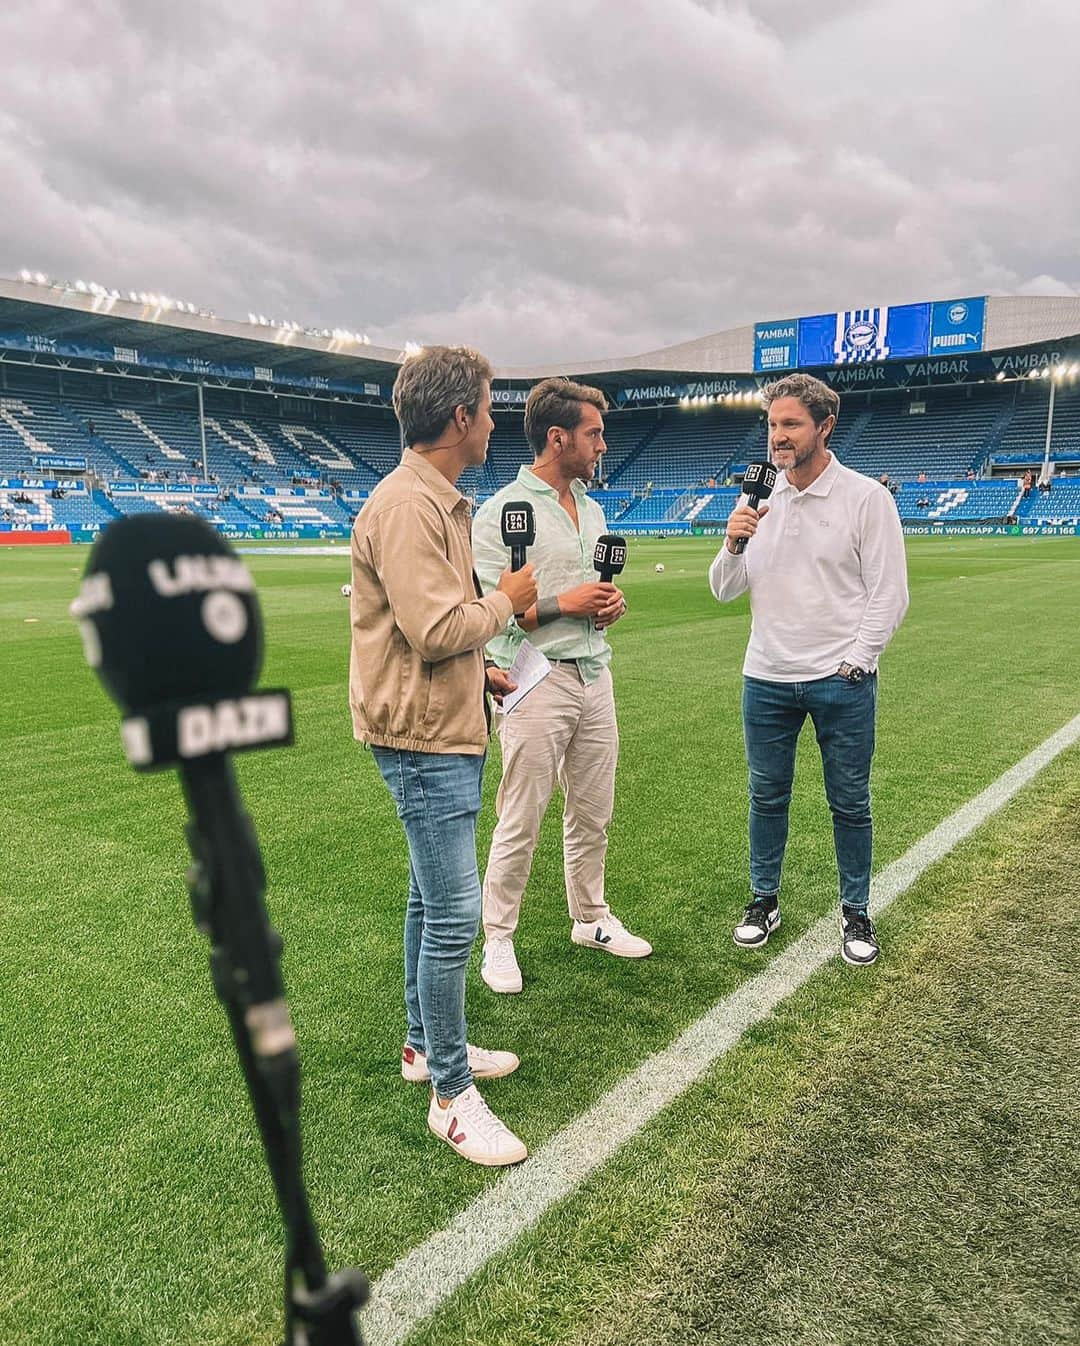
(564, 731)
(827, 575)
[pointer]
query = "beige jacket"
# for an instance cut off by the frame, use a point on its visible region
(419, 624)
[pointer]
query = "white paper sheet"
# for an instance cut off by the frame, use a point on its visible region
(529, 669)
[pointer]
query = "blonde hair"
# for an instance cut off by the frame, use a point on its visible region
(431, 384)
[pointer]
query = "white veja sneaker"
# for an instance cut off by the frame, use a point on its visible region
(499, 968)
(469, 1126)
(484, 1065)
(612, 936)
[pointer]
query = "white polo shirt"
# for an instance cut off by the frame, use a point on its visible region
(827, 576)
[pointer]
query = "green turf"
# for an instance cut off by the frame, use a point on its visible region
(888, 1161)
(138, 1205)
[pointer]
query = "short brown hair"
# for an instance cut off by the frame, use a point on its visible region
(431, 384)
(818, 398)
(557, 402)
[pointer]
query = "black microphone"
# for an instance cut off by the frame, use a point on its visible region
(171, 625)
(518, 530)
(609, 556)
(757, 483)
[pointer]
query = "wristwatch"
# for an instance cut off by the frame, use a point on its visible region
(850, 672)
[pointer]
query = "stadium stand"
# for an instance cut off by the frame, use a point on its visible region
(300, 467)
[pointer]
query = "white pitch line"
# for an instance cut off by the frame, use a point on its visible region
(416, 1285)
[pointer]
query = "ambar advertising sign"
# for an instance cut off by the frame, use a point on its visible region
(776, 345)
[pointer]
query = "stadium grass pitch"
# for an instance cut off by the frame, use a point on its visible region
(885, 1159)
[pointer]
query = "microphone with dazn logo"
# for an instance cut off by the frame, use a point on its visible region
(171, 625)
(609, 556)
(757, 484)
(518, 532)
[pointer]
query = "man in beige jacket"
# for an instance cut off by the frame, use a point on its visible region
(417, 693)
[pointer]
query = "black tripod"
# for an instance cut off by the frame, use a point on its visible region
(226, 883)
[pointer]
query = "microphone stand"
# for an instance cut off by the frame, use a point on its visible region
(226, 883)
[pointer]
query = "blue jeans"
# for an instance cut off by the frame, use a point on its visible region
(438, 800)
(842, 713)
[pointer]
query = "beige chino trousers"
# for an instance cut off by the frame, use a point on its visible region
(566, 732)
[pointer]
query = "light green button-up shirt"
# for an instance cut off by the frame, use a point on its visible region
(563, 558)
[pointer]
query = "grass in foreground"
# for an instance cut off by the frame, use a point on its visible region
(139, 1209)
(889, 1161)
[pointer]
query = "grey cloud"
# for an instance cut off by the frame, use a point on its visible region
(549, 181)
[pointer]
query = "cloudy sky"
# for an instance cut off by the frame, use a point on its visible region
(550, 180)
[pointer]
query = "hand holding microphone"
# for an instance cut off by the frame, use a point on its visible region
(518, 582)
(609, 558)
(743, 521)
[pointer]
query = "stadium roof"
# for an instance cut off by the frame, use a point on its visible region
(65, 312)
(156, 327)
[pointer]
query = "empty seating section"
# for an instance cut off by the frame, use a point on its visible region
(31, 424)
(288, 466)
(949, 437)
(956, 501)
(1061, 505)
(689, 446)
(1024, 439)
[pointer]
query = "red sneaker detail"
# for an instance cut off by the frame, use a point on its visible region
(453, 1133)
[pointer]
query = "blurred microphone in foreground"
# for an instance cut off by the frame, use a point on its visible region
(170, 623)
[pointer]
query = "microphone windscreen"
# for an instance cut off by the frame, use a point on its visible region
(759, 480)
(610, 553)
(168, 613)
(518, 523)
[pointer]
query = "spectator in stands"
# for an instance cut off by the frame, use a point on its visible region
(565, 730)
(921, 478)
(417, 694)
(884, 479)
(1028, 483)
(826, 598)
(970, 474)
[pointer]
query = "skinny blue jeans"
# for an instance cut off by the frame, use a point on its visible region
(438, 799)
(842, 714)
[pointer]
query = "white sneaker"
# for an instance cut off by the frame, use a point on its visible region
(499, 968)
(469, 1126)
(484, 1065)
(612, 936)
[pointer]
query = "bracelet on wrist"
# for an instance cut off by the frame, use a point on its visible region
(547, 610)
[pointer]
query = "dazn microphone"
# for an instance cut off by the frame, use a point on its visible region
(171, 625)
(757, 483)
(609, 556)
(518, 533)
(518, 530)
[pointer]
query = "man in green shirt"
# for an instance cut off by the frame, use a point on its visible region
(564, 730)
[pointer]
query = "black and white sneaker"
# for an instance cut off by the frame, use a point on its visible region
(859, 947)
(759, 920)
